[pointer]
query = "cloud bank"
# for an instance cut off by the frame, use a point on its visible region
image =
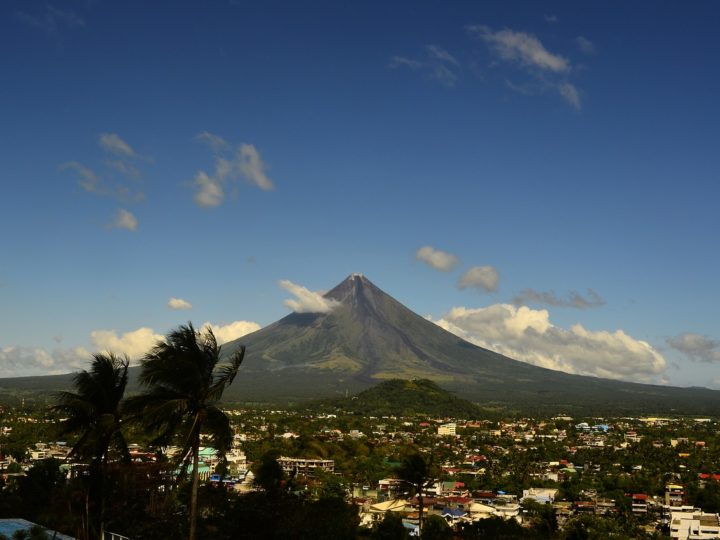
(437, 259)
(229, 332)
(307, 301)
(528, 335)
(696, 346)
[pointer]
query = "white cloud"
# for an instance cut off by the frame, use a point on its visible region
(229, 332)
(135, 343)
(210, 193)
(125, 220)
(438, 259)
(484, 278)
(520, 47)
(243, 163)
(574, 299)
(547, 71)
(696, 346)
(528, 335)
(570, 94)
(215, 142)
(307, 301)
(114, 144)
(89, 181)
(27, 361)
(551, 18)
(252, 167)
(585, 45)
(178, 303)
(437, 64)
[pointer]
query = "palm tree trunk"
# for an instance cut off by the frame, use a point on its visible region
(420, 508)
(195, 483)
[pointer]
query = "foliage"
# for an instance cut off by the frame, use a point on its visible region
(436, 528)
(389, 528)
(183, 382)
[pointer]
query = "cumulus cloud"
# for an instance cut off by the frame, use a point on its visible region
(696, 346)
(134, 344)
(585, 45)
(114, 144)
(528, 335)
(436, 63)
(27, 361)
(125, 220)
(242, 163)
(438, 259)
(548, 71)
(573, 300)
(178, 303)
(229, 332)
(307, 301)
(209, 191)
(483, 278)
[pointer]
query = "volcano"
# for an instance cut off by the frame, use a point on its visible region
(369, 337)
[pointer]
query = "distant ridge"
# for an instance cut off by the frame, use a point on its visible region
(370, 337)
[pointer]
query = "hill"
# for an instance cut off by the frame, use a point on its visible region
(405, 397)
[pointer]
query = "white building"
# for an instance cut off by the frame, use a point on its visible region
(447, 430)
(694, 525)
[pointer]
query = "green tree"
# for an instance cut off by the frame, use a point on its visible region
(436, 528)
(416, 471)
(183, 381)
(390, 528)
(93, 412)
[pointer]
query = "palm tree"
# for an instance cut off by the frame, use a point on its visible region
(94, 412)
(418, 473)
(184, 381)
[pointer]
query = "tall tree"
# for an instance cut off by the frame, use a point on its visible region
(183, 382)
(416, 471)
(94, 412)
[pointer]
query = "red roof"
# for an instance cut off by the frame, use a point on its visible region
(639, 497)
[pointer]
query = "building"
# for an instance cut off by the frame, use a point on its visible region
(694, 526)
(447, 430)
(306, 467)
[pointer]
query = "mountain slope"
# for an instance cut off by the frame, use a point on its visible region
(372, 337)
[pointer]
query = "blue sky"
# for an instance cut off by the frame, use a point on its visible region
(540, 178)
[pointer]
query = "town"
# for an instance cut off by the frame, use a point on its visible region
(556, 477)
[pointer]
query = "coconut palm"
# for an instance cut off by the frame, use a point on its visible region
(183, 382)
(417, 472)
(93, 412)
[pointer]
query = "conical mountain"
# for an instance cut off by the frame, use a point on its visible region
(368, 337)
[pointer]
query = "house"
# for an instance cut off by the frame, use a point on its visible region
(306, 466)
(541, 495)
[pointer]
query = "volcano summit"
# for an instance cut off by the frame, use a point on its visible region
(366, 336)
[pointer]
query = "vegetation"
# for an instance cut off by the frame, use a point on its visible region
(183, 384)
(93, 412)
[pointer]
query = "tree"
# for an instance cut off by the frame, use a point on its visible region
(183, 382)
(436, 528)
(94, 412)
(416, 472)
